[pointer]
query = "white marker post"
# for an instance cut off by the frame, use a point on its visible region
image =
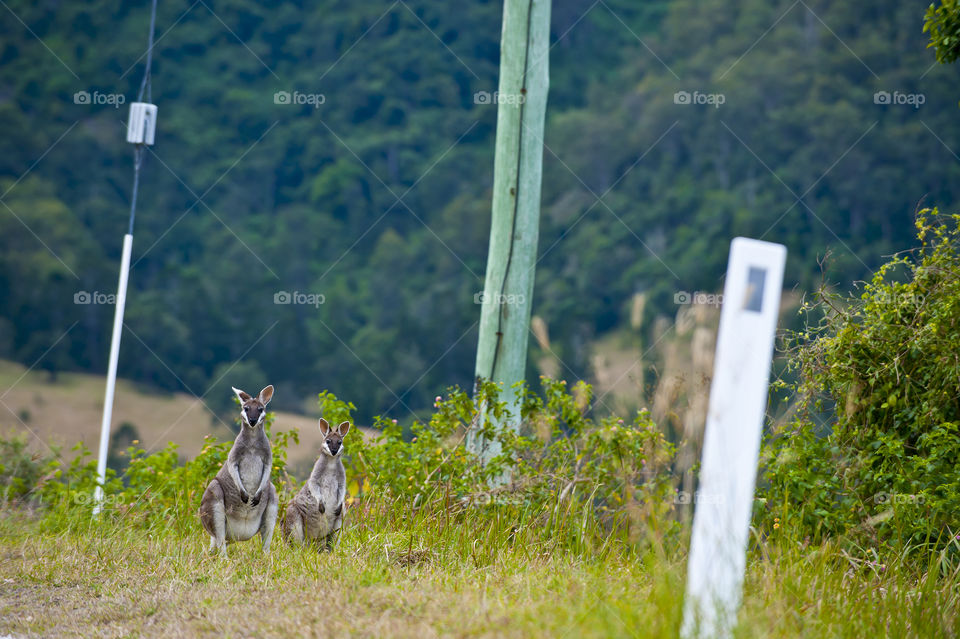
(738, 399)
(112, 373)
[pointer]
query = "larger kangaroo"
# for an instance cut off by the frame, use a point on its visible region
(241, 501)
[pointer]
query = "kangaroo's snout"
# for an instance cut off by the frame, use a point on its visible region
(253, 412)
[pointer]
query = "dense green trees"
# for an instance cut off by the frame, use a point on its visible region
(378, 198)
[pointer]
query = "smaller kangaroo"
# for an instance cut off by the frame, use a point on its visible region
(241, 501)
(316, 512)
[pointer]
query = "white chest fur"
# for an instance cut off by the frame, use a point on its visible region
(328, 488)
(251, 470)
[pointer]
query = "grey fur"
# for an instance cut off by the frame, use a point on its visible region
(241, 501)
(316, 512)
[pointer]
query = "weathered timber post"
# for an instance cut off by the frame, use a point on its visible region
(508, 290)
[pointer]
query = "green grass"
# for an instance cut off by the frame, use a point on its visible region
(435, 571)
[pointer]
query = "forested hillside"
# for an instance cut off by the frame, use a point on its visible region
(814, 124)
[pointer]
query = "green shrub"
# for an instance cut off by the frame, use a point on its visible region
(573, 478)
(887, 367)
(562, 461)
(154, 489)
(20, 470)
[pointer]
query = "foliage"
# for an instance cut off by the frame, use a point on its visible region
(152, 489)
(943, 24)
(614, 474)
(888, 470)
(335, 410)
(21, 470)
(623, 466)
(562, 459)
(303, 199)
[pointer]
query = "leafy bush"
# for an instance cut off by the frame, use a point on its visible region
(155, 489)
(605, 475)
(560, 461)
(20, 470)
(886, 365)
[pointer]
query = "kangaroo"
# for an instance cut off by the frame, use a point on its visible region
(316, 512)
(241, 501)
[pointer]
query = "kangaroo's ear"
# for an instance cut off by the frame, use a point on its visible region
(243, 396)
(324, 427)
(265, 395)
(343, 428)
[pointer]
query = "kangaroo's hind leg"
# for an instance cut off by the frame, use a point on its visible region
(213, 516)
(269, 517)
(334, 536)
(293, 526)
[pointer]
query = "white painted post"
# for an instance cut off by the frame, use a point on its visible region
(112, 372)
(738, 398)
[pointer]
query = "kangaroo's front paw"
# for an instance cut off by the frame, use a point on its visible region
(244, 497)
(256, 499)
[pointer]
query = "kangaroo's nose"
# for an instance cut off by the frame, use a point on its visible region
(333, 447)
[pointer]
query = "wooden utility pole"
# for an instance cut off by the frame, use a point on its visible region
(508, 290)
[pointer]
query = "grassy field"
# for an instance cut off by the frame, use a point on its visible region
(429, 573)
(540, 562)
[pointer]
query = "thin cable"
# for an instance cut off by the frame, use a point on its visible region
(146, 75)
(145, 85)
(137, 161)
